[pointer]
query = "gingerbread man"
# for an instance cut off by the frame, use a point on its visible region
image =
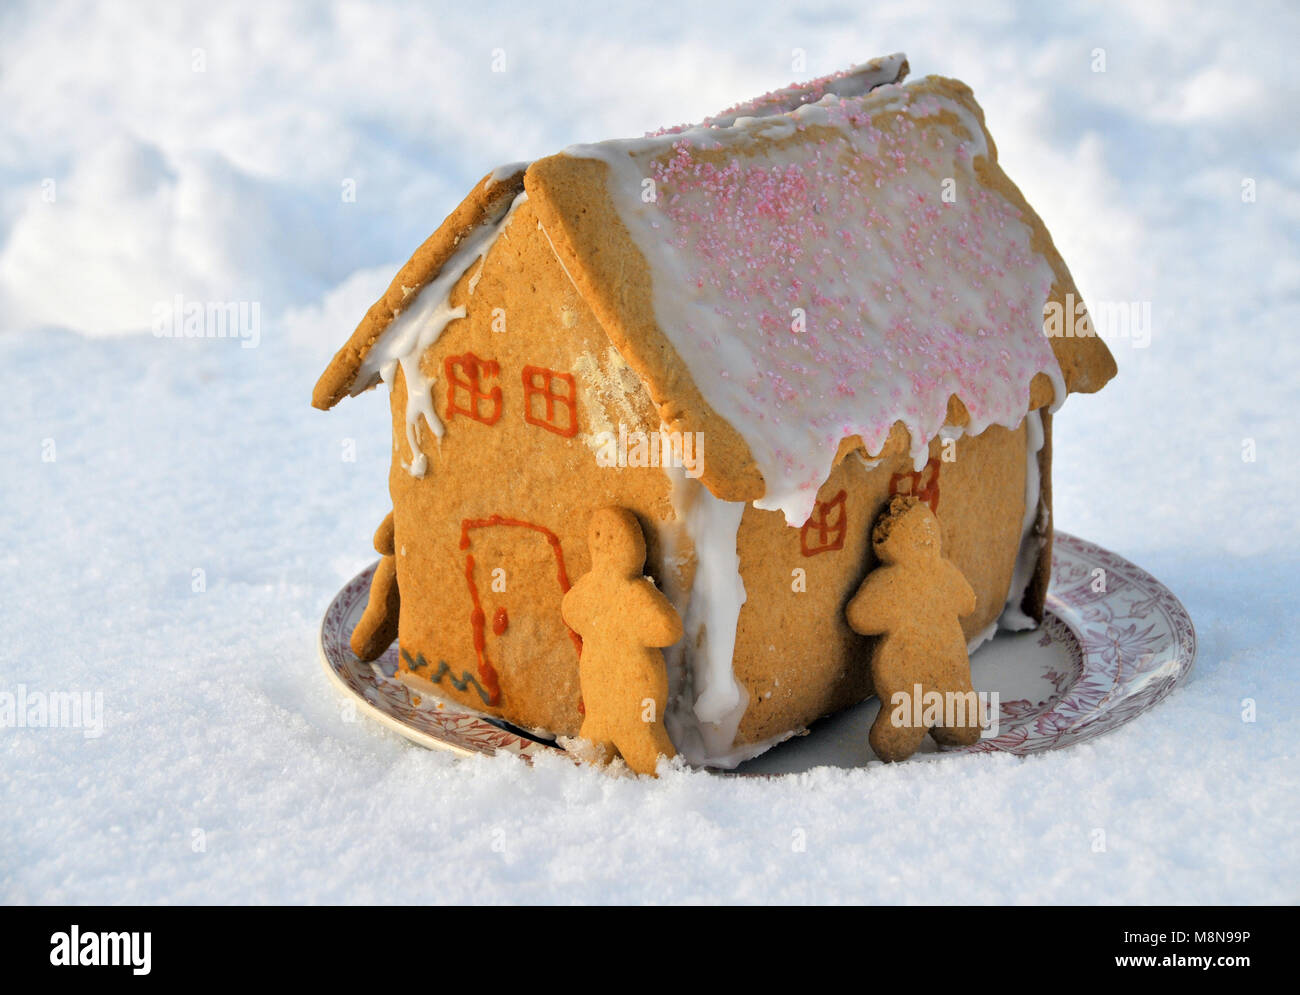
(622, 619)
(377, 628)
(913, 600)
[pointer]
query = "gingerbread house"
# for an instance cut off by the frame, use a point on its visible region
(751, 333)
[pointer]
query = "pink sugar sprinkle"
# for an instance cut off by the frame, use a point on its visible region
(906, 299)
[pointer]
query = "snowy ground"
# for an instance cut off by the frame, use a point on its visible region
(184, 149)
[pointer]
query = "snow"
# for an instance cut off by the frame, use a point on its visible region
(228, 771)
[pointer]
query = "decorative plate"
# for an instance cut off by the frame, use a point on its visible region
(1114, 642)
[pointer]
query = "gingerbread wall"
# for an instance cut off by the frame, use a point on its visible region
(795, 654)
(488, 540)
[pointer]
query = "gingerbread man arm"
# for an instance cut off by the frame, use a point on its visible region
(963, 595)
(579, 606)
(871, 611)
(662, 626)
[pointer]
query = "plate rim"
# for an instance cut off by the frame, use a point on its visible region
(1183, 639)
(417, 736)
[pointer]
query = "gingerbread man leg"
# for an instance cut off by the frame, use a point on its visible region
(890, 738)
(896, 733)
(641, 745)
(965, 730)
(602, 746)
(892, 743)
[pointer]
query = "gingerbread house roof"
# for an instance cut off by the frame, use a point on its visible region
(835, 266)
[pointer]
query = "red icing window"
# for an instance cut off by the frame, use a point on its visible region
(465, 393)
(825, 528)
(923, 485)
(550, 400)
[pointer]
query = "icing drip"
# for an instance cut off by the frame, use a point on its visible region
(982, 637)
(419, 325)
(706, 703)
(825, 288)
(1031, 543)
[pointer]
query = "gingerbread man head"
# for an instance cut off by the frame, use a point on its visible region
(908, 531)
(616, 542)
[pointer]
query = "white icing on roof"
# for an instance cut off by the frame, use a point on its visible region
(504, 172)
(834, 286)
(849, 83)
(419, 325)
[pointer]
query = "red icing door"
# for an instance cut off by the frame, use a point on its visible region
(515, 578)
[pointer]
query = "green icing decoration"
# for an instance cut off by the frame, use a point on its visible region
(459, 683)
